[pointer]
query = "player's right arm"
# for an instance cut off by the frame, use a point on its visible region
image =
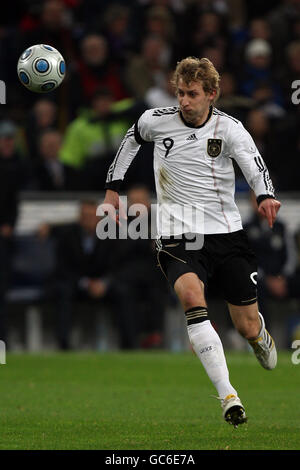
(134, 138)
(138, 134)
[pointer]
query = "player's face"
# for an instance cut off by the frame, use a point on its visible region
(193, 101)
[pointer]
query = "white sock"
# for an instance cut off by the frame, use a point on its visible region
(262, 323)
(261, 331)
(208, 347)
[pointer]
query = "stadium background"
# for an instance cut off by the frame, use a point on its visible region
(55, 150)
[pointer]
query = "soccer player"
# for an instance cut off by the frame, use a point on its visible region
(194, 146)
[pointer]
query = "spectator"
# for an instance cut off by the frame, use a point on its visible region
(116, 29)
(230, 101)
(15, 172)
(296, 30)
(92, 139)
(50, 171)
(42, 117)
(147, 69)
(258, 67)
(159, 22)
(94, 70)
(291, 72)
(258, 124)
(13, 178)
(258, 28)
(294, 278)
(208, 31)
(85, 271)
(216, 55)
(273, 142)
(281, 20)
(264, 98)
(161, 96)
(52, 27)
(89, 14)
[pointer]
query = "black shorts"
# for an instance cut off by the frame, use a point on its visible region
(225, 259)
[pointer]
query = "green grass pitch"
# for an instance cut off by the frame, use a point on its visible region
(143, 400)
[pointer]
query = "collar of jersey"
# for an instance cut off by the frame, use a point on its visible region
(188, 124)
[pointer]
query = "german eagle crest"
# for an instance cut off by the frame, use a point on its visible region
(214, 147)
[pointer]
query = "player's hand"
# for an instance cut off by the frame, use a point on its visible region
(268, 208)
(113, 206)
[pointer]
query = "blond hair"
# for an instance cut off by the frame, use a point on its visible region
(192, 69)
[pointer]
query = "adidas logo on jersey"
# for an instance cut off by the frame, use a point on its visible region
(192, 137)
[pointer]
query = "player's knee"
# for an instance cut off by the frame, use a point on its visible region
(191, 298)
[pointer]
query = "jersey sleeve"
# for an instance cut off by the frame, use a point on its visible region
(243, 150)
(138, 134)
(143, 128)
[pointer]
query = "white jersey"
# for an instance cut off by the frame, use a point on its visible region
(193, 168)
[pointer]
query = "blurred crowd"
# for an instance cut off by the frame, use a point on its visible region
(120, 56)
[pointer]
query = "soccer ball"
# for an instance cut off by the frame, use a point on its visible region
(41, 68)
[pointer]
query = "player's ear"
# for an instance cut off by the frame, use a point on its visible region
(212, 95)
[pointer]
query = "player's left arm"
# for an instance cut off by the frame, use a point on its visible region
(247, 156)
